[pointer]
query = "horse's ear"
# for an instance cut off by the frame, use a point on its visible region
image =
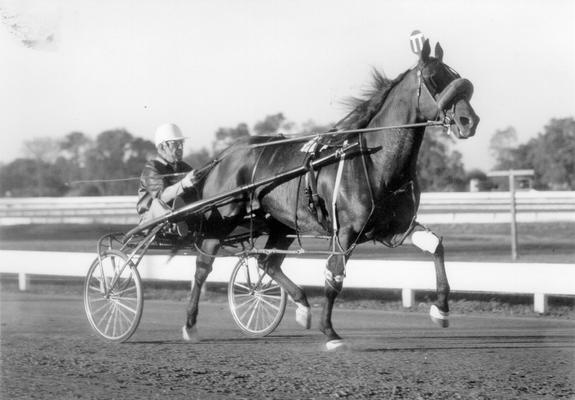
(424, 56)
(439, 52)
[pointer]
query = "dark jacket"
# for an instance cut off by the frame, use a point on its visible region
(153, 180)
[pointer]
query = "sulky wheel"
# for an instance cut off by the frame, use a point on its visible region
(113, 297)
(256, 301)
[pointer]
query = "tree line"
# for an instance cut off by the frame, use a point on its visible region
(109, 164)
(551, 154)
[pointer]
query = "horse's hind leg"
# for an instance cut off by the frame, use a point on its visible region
(429, 242)
(272, 265)
(203, 268)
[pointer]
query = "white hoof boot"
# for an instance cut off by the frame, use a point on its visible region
(190, 335)
(303, 316)
(439, 317)
(337, 344)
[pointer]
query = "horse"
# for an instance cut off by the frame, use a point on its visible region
(370, 195)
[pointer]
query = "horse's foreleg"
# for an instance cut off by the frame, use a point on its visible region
(334, 275)
(203, 269)
(429, 242)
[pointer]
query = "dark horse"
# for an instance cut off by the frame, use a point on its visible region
(372, 195)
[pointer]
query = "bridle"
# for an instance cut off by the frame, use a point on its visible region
(438, 94)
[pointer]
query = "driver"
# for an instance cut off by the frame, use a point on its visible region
(166, 179)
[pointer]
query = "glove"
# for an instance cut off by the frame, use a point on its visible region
(189, 180)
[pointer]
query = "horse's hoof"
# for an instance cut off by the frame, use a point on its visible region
(303, 316)
(337, 344)
(191, 334)
(439, 317)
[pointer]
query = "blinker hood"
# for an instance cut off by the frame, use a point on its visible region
(459, 88)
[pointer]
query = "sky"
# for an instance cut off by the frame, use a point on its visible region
(91, 66)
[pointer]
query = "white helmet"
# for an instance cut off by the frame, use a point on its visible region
(167, 132)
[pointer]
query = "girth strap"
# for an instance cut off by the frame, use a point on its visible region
(316, 204)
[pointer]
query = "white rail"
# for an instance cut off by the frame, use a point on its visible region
(465, 207)
(540, 280)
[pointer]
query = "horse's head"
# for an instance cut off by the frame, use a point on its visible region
(448, 94)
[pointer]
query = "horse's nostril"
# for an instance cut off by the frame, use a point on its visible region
(464, 121)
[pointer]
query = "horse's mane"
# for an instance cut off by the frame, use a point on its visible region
(364, 108)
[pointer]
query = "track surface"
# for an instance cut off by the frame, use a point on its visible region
(49, 352)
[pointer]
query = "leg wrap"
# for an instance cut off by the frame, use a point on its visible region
(335, 281)
(425, 240)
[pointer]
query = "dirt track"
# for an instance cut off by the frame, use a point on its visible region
(49, 352)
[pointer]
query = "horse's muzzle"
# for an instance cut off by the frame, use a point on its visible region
(462, 119)
(453, 105)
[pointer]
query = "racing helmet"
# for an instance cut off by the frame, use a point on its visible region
(166, 132)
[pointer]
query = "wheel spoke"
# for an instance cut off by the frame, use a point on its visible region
(270, 315)
(115, 320)
(126, 284)
(253, 313)
(95, 289)
(126, 294)
(276, 287)
(126, 290)
(243, 295)
(269, 304)
(125, 317)
(247, 273)
(271, 296)
(103, 277)
(258, 317)
(106, 317)
(106, 304)
(246, 303)
(120, 304)
(97, 299)
(264, 316)
(239, 285)
(249, 306)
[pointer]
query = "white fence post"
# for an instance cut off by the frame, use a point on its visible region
(23, 281)
(540, 303)
(407, 297)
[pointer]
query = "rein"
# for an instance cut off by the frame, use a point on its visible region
(200, 173)
(299, 138)
(305, 137)
(133, 178)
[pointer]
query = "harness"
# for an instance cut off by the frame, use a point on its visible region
(313, 141)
